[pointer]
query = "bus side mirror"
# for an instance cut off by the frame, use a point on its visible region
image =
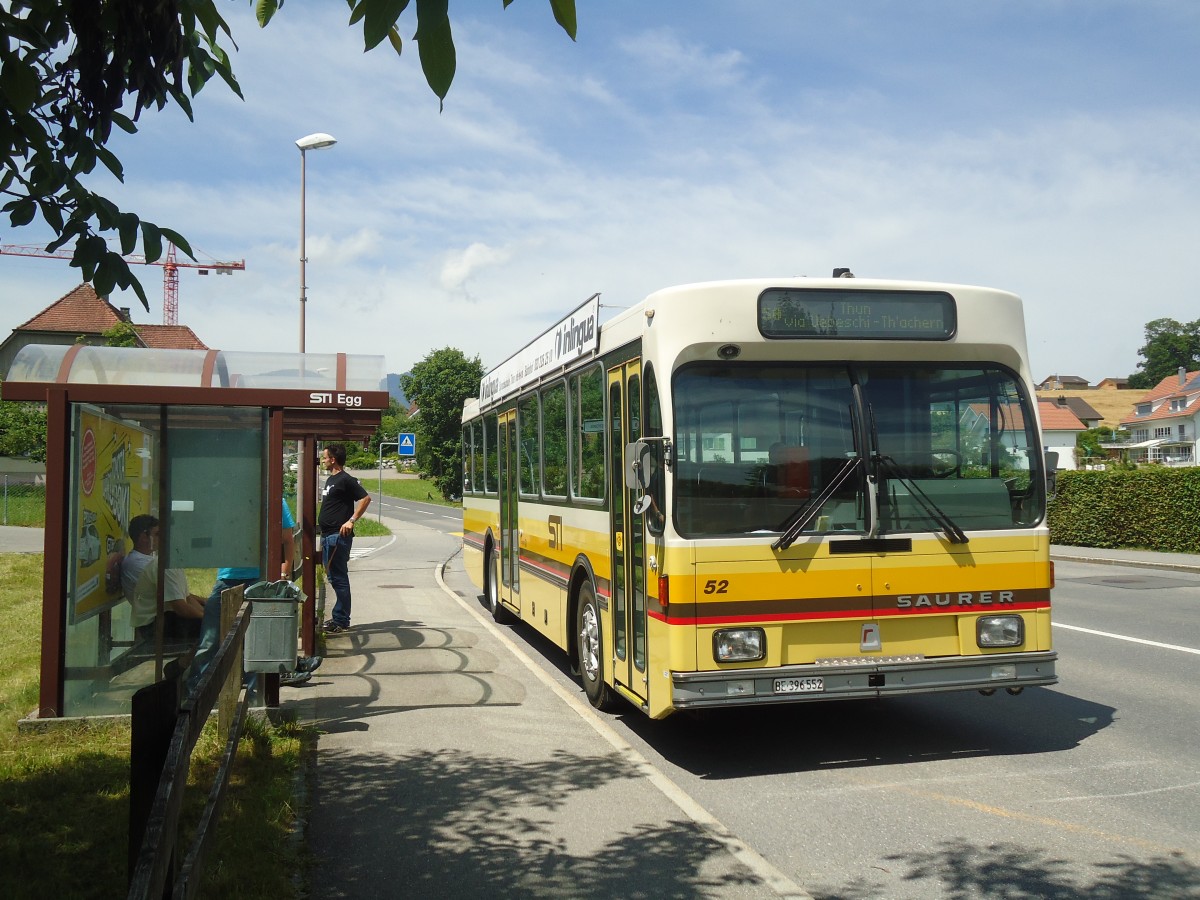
(1051, 472)
(637, 465)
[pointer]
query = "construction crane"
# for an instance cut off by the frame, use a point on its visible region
(170, 266)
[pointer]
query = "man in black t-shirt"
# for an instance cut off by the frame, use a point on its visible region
(343, 503)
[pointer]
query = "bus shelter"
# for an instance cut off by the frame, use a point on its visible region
(199, 440)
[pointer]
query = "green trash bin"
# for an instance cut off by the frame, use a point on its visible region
(274, 622)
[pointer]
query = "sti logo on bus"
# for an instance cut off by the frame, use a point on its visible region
(329, 398)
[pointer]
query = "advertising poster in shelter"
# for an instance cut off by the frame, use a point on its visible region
(112, 485)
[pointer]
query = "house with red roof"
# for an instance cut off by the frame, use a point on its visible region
(1162, 426)
(1061, 428)
(81, 317)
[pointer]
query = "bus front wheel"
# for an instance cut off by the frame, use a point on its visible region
(492, 590)
(590, 650)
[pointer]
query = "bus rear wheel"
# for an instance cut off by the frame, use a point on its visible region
(590, 650)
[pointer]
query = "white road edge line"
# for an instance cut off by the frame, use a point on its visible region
(739, 849)
(367, 551)
(1123, 637)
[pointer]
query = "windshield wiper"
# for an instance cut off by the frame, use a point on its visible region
(798, 521)
(931, 509)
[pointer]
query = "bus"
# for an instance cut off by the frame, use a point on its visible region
(770, 491)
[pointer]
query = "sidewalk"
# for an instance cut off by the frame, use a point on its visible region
(14, 539)
(1149, 559)
(448, 767)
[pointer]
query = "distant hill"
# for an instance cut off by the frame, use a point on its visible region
(393, 388)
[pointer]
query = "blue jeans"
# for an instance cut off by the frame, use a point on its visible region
(335, 555)
(210, 630)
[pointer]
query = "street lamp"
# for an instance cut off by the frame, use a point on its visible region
(309, 142)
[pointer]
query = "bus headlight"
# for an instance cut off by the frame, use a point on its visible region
(999, 631)
(739, 644)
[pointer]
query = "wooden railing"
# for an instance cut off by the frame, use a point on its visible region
(166, 726)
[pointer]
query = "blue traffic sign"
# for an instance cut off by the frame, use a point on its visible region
(406, 444)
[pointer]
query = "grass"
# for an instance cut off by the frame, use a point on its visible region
(64, 793)
(23, 504)
(414, 489)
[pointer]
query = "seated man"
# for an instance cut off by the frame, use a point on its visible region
(183, 610)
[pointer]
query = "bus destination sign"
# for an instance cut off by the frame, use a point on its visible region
(856, 315)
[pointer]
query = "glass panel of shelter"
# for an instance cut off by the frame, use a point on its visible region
(200, 471)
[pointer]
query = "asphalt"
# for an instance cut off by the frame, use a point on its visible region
(449, 764)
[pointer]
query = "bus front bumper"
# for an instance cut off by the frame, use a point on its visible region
(862, 677)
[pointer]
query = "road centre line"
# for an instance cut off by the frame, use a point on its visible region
(1124, 637)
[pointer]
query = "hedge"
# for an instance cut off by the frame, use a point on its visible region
(1148, 508)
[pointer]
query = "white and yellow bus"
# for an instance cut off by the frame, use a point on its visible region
(770, 491)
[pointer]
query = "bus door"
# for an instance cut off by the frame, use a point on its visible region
(510, 532)
(628, 533)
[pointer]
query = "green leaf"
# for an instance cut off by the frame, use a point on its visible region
(264, 11)
(180, 242)
(211, 20)
(435, 44)
(564, 15)
(51, 214)
(111, 162)
(151, 241)
(125, 123)
(380, 16)
(19, 82)
(21, 212)
(127, 228)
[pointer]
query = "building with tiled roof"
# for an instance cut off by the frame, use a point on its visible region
(82, 316)
(1061, 428)
(1063, 382)
(1082, 409)
(170, 337)
(1164, 420)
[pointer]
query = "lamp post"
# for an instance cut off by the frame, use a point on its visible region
(309, 142)
(303, 475)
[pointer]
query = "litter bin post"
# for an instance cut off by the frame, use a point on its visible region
(274, 618)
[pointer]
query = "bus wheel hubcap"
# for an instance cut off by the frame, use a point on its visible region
(589, 644)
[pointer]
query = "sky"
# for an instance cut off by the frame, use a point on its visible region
(1046, 147)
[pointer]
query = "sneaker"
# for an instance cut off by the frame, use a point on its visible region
(291, 679)
(309, 664)
(332, 627)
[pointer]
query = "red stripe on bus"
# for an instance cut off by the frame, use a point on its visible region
(845, 614)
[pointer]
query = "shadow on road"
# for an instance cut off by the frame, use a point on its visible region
(464, 825)
(749, 741)
(1008, 871)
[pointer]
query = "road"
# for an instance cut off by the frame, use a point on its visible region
(1089, 789)
(447, 519)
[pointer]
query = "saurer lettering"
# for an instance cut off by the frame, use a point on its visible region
(965, 598)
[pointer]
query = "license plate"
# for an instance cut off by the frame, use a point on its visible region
(799, 685)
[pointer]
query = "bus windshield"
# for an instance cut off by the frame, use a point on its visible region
(910, 446)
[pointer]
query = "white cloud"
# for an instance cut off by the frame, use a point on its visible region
(459, 266)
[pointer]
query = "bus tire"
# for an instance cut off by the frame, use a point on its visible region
(491, 589)
(590, 649)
